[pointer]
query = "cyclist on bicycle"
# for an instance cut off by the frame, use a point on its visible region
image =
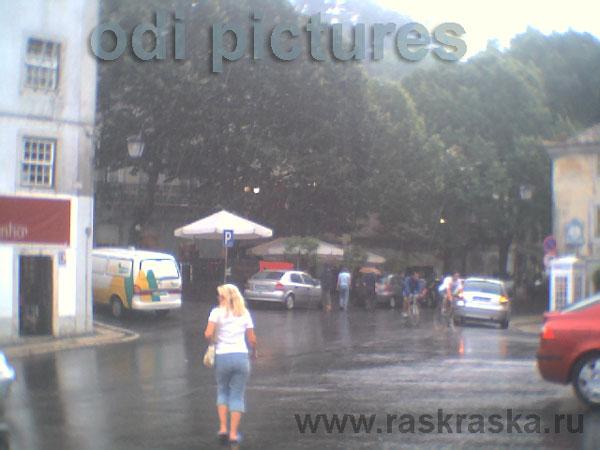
(450, 286)
(413, 290)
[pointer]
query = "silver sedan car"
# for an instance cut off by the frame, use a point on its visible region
(288, 287)
(483, 299)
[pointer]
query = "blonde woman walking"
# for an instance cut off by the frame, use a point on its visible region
(231, 328)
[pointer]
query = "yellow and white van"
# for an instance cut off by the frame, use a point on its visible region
(130, 279)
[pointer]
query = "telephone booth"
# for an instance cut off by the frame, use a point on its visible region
(567, 281)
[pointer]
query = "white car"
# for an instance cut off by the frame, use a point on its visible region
(483, 299)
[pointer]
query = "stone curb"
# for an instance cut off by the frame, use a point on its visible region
(103, 334)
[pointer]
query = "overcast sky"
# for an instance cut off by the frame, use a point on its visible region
(502, 20)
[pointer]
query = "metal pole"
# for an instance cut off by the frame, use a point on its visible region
(225, 268)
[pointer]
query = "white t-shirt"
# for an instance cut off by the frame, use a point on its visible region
(449, 283)
(445, 284)
(231, 336)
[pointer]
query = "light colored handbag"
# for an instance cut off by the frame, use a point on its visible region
(209, 356)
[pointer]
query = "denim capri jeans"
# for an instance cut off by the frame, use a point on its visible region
(232, 371)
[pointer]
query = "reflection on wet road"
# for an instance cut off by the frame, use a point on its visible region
(155, 393)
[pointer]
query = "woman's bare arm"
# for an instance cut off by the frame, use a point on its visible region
(210, 329)
(251, 339)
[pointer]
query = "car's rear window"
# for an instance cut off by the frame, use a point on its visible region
(582, 304)
(267, 275)
(483, 286)
(162, 268)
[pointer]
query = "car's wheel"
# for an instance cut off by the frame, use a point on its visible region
(116, 307)
(289, 302)
(504, 324)
(392, 302)
(586, 379)
(161, 312)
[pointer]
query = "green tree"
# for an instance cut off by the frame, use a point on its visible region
(569, 63)
(292, 129)
(302, 248)
(486, 113)
(354, 257)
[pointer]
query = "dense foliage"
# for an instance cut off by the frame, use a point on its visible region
(440, 156)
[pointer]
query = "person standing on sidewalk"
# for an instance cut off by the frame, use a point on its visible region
(231, 328)
(343, 286)
(370, 282)
(405, 294)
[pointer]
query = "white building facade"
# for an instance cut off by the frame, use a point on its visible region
(47, 123)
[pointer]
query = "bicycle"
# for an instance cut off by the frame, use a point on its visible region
(443, 317)
(414, 312)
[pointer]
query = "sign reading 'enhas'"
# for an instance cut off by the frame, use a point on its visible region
(35, 220)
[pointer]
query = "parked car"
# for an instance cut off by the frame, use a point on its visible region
(129, 279)
(483, 299)
(569, 350)
(288, 287)
(389, 289)
(7, 376)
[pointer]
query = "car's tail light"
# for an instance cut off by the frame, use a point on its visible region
(279, 286)
(247, 285)
(460, 294)
(387, 286)
(503, 300)
(547, 332)
(139, 291)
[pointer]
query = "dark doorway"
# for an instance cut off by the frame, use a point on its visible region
(35, 295)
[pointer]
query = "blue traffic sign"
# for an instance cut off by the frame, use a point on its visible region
(575, 233)
(228, 238)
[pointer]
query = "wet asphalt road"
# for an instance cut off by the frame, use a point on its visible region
(411, 385)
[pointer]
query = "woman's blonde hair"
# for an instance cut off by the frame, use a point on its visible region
(234, 302)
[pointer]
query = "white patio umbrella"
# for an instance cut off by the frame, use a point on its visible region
(213, 227)
(277, 247)
(325, 250)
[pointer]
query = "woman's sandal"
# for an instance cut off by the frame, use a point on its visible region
(237, 439)
(223, 437)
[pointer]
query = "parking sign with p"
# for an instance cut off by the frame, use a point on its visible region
(227, 238)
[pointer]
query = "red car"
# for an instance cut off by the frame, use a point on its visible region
(569, 349)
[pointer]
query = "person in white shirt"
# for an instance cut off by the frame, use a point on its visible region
(449, 288)
(231, 328)
(343, 286)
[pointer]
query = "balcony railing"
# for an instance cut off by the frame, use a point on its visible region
(117, 193)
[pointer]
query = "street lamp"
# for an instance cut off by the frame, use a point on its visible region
(135, 146)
